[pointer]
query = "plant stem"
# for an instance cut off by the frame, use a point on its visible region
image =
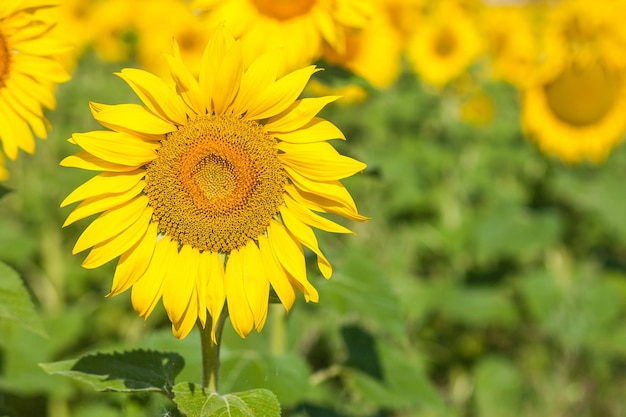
(211, 351)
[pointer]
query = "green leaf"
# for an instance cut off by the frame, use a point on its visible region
(195, 401)
(137, 370)
(4, 190)
(498, 388)
(15, 302)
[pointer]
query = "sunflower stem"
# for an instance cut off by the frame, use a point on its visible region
(278, 335)
(211, 351)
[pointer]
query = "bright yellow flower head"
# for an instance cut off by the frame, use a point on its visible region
(300, 27)
(29, 69)
(575, 108)
(373, 52)
(444, 45)
(211, 187)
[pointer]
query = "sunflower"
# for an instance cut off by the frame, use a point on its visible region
(29, 69)
(373, 52)
(300, 27)
(575, 110)
(444, 45)
(579, 113)
(210, 189)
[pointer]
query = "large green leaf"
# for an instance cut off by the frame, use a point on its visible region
(137, 370)
(15, 302)
(195, 401)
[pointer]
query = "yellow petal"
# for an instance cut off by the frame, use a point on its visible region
(216, 47)
(147, 291)
(133, 118)
(98, 204)
(277, 275)
(318, 161)
(298, 114)
(85, 160)
(134, 262)
(105, 183)
(291, 256)
(182, 328)
(326, 197)
(155, 94)
(216, 292)
(256, 283)
(305, 235)
(227, 78)
(259, 75)
(117, 147)
(279, 95)
(317, 130)
(308, 217)
(238, 308)
(186, 84)
(111, 223)
(117, 245)
(179, 282)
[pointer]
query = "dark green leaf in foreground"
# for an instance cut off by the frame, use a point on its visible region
(15, 302)
(195, 401)
(4, 190)
(137, 370)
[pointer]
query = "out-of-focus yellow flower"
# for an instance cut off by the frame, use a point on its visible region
(113, 23)
(210, 189)
(4, 174)
(372, 52)
(512, 44)
(576, 109)
(349, 94)
(445, 44)
(29, 70)
(299, 27)
(76, 24)
(176, 21)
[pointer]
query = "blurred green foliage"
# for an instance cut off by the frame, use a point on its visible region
(490, 282)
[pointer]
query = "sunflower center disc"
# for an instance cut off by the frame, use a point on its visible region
(216, 183)
(283, 9)
(582, 96)
(5, 58)
(445, 43)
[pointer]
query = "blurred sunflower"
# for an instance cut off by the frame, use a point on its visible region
(576, 110)
(178, 22)
(373, 52)
(210, 189)
(29, 69)
(511, 43)
(445, 44)
(299, 27)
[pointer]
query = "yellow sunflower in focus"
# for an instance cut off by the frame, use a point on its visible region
(444, 45)
(299, 27)
(210, 189)
(576, 109)
(29, 69)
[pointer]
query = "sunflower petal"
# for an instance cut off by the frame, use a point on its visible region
(179, 283)
(133, 118)
(317, 130)
(111, 223)
(216, 292)
(256, 283)
(277, 275)
(298, 114)
(238, 308)
(117, 245)
(134, 262)
(308, 217)
(117, 147)
(318, 161)
(291, 256)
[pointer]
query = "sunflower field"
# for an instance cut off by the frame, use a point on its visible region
(312, 208)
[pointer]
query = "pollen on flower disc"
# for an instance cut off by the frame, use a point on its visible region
(216, 183)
